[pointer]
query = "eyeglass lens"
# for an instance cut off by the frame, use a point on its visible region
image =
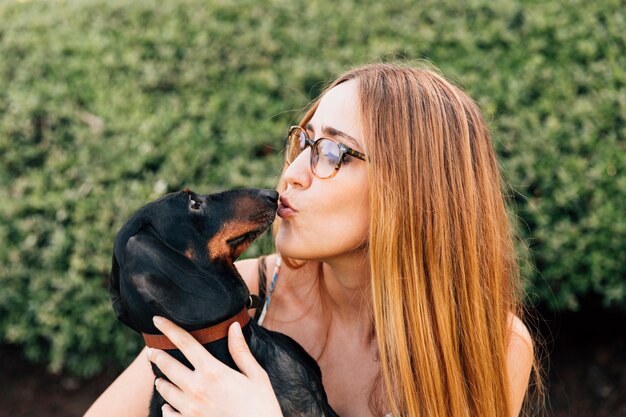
(324, 158)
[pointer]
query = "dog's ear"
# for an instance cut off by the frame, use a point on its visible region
(170, 284)
(117, 275)
(114, 289)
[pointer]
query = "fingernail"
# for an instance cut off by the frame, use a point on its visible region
(157, 382)
(149, 352)
(236, 329)
(157, 320)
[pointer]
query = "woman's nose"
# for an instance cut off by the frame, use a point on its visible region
(298, 173)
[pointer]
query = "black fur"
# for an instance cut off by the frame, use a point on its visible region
(163, 265)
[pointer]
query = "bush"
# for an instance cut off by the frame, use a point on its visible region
(105, 105)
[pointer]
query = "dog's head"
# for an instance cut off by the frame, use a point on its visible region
(175, 257)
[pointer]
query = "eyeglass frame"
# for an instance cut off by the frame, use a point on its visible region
(313, 143)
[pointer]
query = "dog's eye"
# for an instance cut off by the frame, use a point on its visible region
(237, 241)
(195, 204)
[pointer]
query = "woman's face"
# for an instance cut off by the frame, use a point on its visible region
(332, 215)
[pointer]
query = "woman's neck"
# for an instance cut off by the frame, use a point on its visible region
(347, 282)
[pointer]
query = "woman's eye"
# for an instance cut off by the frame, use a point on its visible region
(332, 157)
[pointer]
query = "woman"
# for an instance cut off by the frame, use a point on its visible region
(399, 272)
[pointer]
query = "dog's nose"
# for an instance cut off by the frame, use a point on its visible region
(270, 195)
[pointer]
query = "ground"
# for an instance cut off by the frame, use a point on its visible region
(587, 365)
(587, 373)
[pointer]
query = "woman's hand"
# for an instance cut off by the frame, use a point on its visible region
(212, 388)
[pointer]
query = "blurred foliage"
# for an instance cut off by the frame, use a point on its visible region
(106, 105)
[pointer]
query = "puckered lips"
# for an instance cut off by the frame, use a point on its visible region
(285, 209)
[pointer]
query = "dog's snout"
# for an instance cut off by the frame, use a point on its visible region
(271, 195)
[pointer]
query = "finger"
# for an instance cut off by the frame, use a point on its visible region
(195, 353)
(170, 393)
(240, 352)
(175, 371)
(168, 411)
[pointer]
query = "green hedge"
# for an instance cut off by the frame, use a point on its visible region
(105, 105)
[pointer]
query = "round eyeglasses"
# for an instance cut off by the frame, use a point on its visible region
(327, 154)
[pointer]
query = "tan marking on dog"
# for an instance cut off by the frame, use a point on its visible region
(218, 246)
(189, 253)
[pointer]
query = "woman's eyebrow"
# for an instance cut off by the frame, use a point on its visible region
(331, 131)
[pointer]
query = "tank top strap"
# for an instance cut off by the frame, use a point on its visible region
(262, 277)
(266, 295)
(262, 285)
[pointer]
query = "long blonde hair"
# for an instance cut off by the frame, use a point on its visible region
(444, 276)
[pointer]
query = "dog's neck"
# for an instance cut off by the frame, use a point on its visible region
(204, 336)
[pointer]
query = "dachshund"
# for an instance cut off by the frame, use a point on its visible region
(175, 258)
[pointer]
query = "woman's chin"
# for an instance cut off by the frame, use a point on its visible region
(290, 248)
(286, 250)
(282, 243)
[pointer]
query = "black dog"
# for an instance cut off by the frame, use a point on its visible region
(175, 258)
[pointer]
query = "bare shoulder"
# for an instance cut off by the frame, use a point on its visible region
(520, 358)
(249, 271)
(520, 337)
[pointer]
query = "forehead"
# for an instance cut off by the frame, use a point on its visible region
(339, 109)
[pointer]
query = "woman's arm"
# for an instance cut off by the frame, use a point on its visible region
(520, 358)
(129, 395)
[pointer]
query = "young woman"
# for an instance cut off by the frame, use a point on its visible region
(399, 273)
